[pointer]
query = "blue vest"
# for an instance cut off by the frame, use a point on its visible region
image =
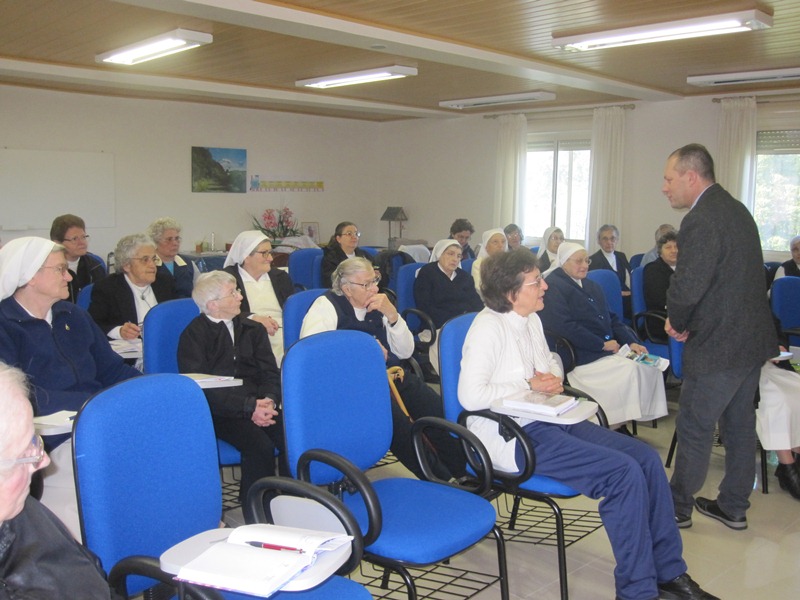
(372, 323)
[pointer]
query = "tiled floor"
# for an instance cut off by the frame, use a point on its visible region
(762, 562)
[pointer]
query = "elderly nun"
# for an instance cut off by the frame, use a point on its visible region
(62, 351)
(264, 289)
(576, 309)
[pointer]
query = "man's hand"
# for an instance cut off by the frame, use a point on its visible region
(681, 337)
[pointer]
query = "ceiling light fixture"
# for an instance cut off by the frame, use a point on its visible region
(156, 47)
(672, 30)
(356, 77)
(768, 76)
(498, 100)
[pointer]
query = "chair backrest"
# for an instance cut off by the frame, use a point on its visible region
(316, 273)
(146, 470)
(161, 333)
(100, 260)
(785, 301)
(451, 344)
(466, 265)
(294, 310)
(636, 260)
(336, 397)
(676, 357)
(612, 290)
(638, 304)
(85, 296)
(371, 250)
(405, 291)
(301, 264)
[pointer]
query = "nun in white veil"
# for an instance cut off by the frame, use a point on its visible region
(552, 238)
(493, 241)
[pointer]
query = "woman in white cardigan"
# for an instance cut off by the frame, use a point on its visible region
(505, 352)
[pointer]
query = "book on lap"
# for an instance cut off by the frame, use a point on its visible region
(538, 403)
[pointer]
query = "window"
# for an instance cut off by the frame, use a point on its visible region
(557, 187)
(777, 198)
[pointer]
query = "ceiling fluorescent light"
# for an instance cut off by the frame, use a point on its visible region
(791, 74)
(498, 100)
(672, 30)
(156, 47)
(356, 77)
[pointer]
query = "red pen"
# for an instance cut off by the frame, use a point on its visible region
(275, 547)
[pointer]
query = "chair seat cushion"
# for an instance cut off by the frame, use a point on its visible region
(335, 588)
(424, 522)
(546, 485)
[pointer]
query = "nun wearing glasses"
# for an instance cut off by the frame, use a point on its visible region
(355, 303)
(121, 300)
(62, 351)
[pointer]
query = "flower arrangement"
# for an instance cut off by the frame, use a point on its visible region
(277, 223)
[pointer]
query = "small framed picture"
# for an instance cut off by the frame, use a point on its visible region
(311, 230)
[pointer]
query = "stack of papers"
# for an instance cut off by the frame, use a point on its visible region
(542, 404)
(205, 381)
(651, 360)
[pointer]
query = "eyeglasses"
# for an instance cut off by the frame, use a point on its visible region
(169, 240)
(77, 238)
(536, 282)
(145, 260)
(60, 269)
(264, 253)
(352, 234)
(34, 454)
(578, 261)
(367, 285)
(233, 294)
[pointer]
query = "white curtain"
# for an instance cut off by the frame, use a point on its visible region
(511, 159)
(736, 157)
(605, 187)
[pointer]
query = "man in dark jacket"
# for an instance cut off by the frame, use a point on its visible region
(716, 304)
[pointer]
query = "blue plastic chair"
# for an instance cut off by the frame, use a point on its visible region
(301, 267)
(608, 280)
(85, 296)
(161, 333)
(466, 265)
(147, 477)
(785, 301)
(294, 310)
(636, 260)
(405, 521)
(525, 484)
(640, 314)
(163, 326)
(100, 260)
(316, 272)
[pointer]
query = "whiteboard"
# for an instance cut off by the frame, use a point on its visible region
(38, 185)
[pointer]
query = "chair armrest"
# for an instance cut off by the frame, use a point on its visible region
(255, 510)
(576, 393)
(353, 481)
(391, 294)
(512, 428)
(476, 453)
(427, 323)
(300, 287)
(148, 566)
(642, 326)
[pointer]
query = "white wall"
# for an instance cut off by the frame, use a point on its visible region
(437, 170)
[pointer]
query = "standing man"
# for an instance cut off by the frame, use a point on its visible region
(716, 304)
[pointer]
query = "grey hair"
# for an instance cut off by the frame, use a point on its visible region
(608, 228)
(11, 379)
(127, 247)
(346, 269)
(663, 229)
(208, 287)
(159, 226)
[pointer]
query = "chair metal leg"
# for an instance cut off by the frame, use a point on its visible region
(671, 453)
(512, 521)
(501, 562)
(764, 466)
(634, 427)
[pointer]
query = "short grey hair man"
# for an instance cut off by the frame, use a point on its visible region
(208, 287)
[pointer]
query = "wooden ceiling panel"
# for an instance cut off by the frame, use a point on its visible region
(462, 48)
